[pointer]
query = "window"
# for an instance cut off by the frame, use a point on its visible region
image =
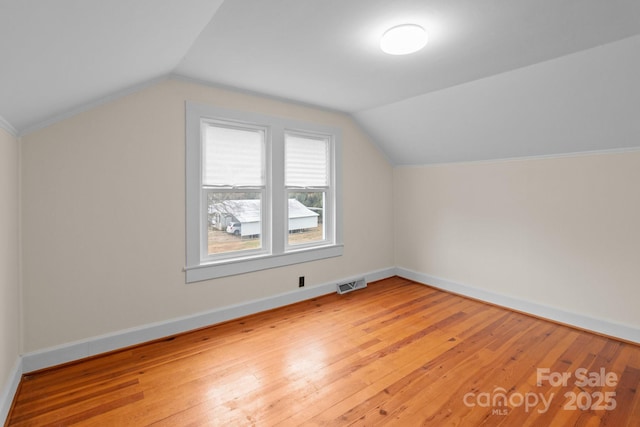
(262, 192)
(233, 188)
(307, 182)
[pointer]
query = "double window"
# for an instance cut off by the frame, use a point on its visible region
(262, 192)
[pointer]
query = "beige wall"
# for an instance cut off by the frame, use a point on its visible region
(561, 232)
(103, 217)
(9, 250)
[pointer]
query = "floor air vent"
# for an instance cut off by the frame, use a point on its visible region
(343, 288)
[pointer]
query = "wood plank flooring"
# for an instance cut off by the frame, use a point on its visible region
(395, 353)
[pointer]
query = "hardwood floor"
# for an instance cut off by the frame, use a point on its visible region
(396, 353)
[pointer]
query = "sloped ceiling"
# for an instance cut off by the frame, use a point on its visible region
(420, 108)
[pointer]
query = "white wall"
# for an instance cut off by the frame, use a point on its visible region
(9, 263)
(103, 204)
(560, 236)
(558, 232)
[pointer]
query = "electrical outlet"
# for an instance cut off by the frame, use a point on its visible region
(301, 281)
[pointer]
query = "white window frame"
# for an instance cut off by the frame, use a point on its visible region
(328, 205)
(265, 208)
(276, 251)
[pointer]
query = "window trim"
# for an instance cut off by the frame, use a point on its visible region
(281, 254)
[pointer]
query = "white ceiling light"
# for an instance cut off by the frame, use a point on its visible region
(403, 39)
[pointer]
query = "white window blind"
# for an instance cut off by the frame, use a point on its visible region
(306, 161)
(232, 157)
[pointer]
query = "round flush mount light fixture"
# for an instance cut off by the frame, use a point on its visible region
(403, 39)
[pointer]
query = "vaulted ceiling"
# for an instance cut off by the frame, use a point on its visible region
(58, 56)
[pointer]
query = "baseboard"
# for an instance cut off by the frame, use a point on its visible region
(9, 390)
(86, 348)
(102, 344)
(599, 326)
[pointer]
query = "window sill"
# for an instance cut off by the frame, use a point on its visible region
(225, 268)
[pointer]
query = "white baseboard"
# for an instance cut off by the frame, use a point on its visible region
(93, 346)
(101, 344)
(615, 330)
(9, 390)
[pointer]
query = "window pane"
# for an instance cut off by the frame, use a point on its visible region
(306, 213)
(234, 222)
(306, 161)
(232, 157)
